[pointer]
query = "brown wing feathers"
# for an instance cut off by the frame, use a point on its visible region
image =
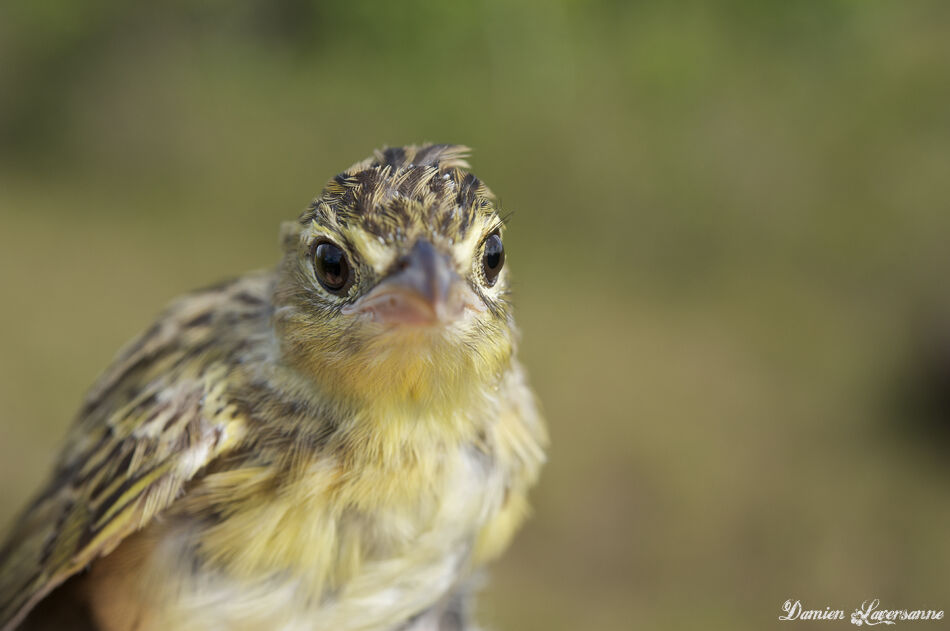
(150, 424)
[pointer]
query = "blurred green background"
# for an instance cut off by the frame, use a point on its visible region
(730, 247)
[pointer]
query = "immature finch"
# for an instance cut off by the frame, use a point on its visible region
(336, 445)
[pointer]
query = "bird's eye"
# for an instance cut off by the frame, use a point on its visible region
(493, 258)
(332, 267)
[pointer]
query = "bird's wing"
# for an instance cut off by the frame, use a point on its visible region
(153, 421)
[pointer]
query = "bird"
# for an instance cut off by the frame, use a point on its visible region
(342, 442)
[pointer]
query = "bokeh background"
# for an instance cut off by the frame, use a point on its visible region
(730, 247)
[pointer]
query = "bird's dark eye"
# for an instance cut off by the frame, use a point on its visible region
(332, 268)
(493, 258)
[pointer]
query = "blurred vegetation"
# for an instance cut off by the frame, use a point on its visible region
(729, 239)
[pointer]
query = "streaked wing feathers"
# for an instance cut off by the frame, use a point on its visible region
(149, 425)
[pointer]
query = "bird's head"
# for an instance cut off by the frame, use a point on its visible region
(394, 285)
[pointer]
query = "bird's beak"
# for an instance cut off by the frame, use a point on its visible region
(423, 290)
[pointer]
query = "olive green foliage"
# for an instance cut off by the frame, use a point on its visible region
(729, 244)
